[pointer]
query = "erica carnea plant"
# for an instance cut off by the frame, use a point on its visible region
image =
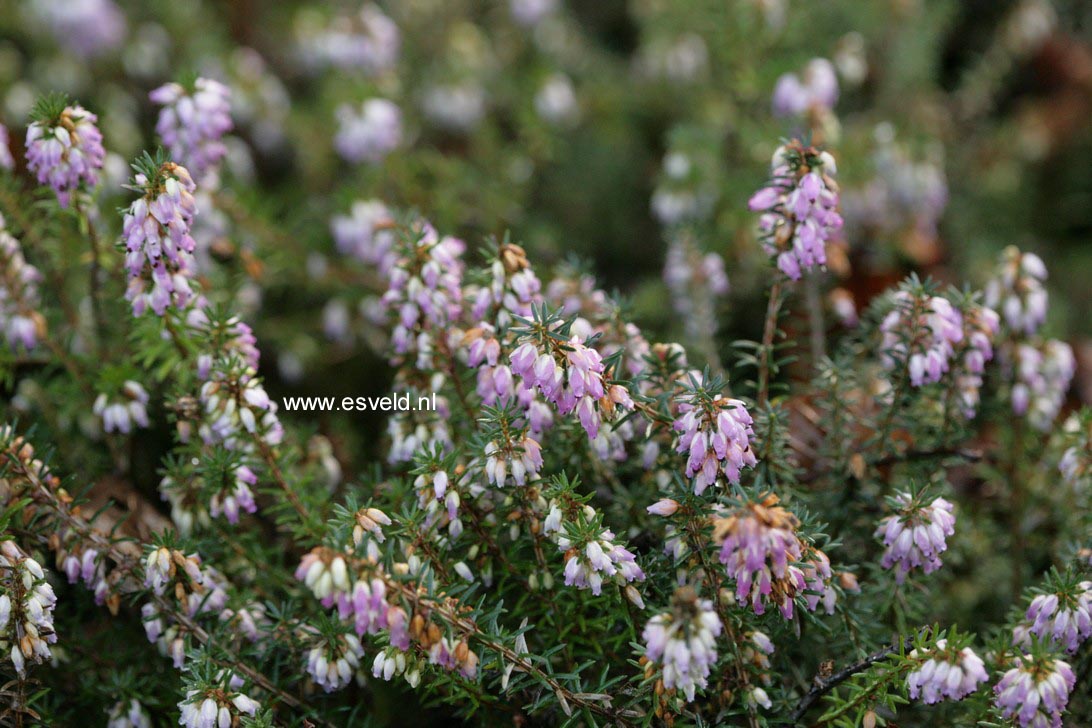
(867, 508)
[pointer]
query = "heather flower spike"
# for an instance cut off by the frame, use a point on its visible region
(759, 548)
(370, 133)
(1035, 692)
(21, 323)
(916, 535)
(799, 209)
(156, 233)
(64, 147)
(714, 434)
(1063, 615)
(193, 121)
(945, 671)
(26, 610)
(920, 334)
(683, 640)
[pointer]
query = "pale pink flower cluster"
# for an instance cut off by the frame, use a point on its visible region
(216, 708)
(1018, 292)
(332, 664)
(119, 415)
(572, 377)
(366, 234)
(715, 435)
(193, 122)
(591, 561)
(1063, 617)
(815, 89)
(520, 460)
(980, 325)
(921, 333)
(26, 609)
(915, 536)
(799, 207)
(945, 673)
(158, 245)
(684, 642)
(759, 548)
(20, 321)
(1043, 374)
(1035, 692)
(66, 152)
(424, 295)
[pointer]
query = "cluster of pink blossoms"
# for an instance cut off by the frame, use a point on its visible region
(921, 333)
(236, 408)
(1035, 692)
(86, 566)
(512, 289)
(1063, 617)
(64, 150)
(817, 89)
(201, 590)
(361, 602)
(916, 535)
(1040, 370)
(715, 435)
(235, 496)
(158, 244)
(511, 292)
(424, 294)
(759, 548)
(590, 560)
(26, 609)
(522, 459)
(230, 336)
(20, 321)
(217, 707)
(1043, 374)
(799, 209)
(119, 415)
(696, 280)
(368, 41)
(684, 641)
(980, 326)
(367, 234)
(365, 604)
(1017, 291)
(439, 497)
(332, 663)
(193, 122)
(370, 133)
(944, 673)
(87, 28)
(411, 432)
(572, 377)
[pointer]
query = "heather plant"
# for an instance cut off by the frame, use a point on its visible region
(827, 503)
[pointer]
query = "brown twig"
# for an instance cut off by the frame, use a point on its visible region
(773, 309)
(822, 686)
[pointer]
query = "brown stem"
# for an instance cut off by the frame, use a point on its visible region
(278, 477)
(693, 530)
(822, 686)
(94, 274)
(816, 325)
(773, 308)
(1017, 503)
